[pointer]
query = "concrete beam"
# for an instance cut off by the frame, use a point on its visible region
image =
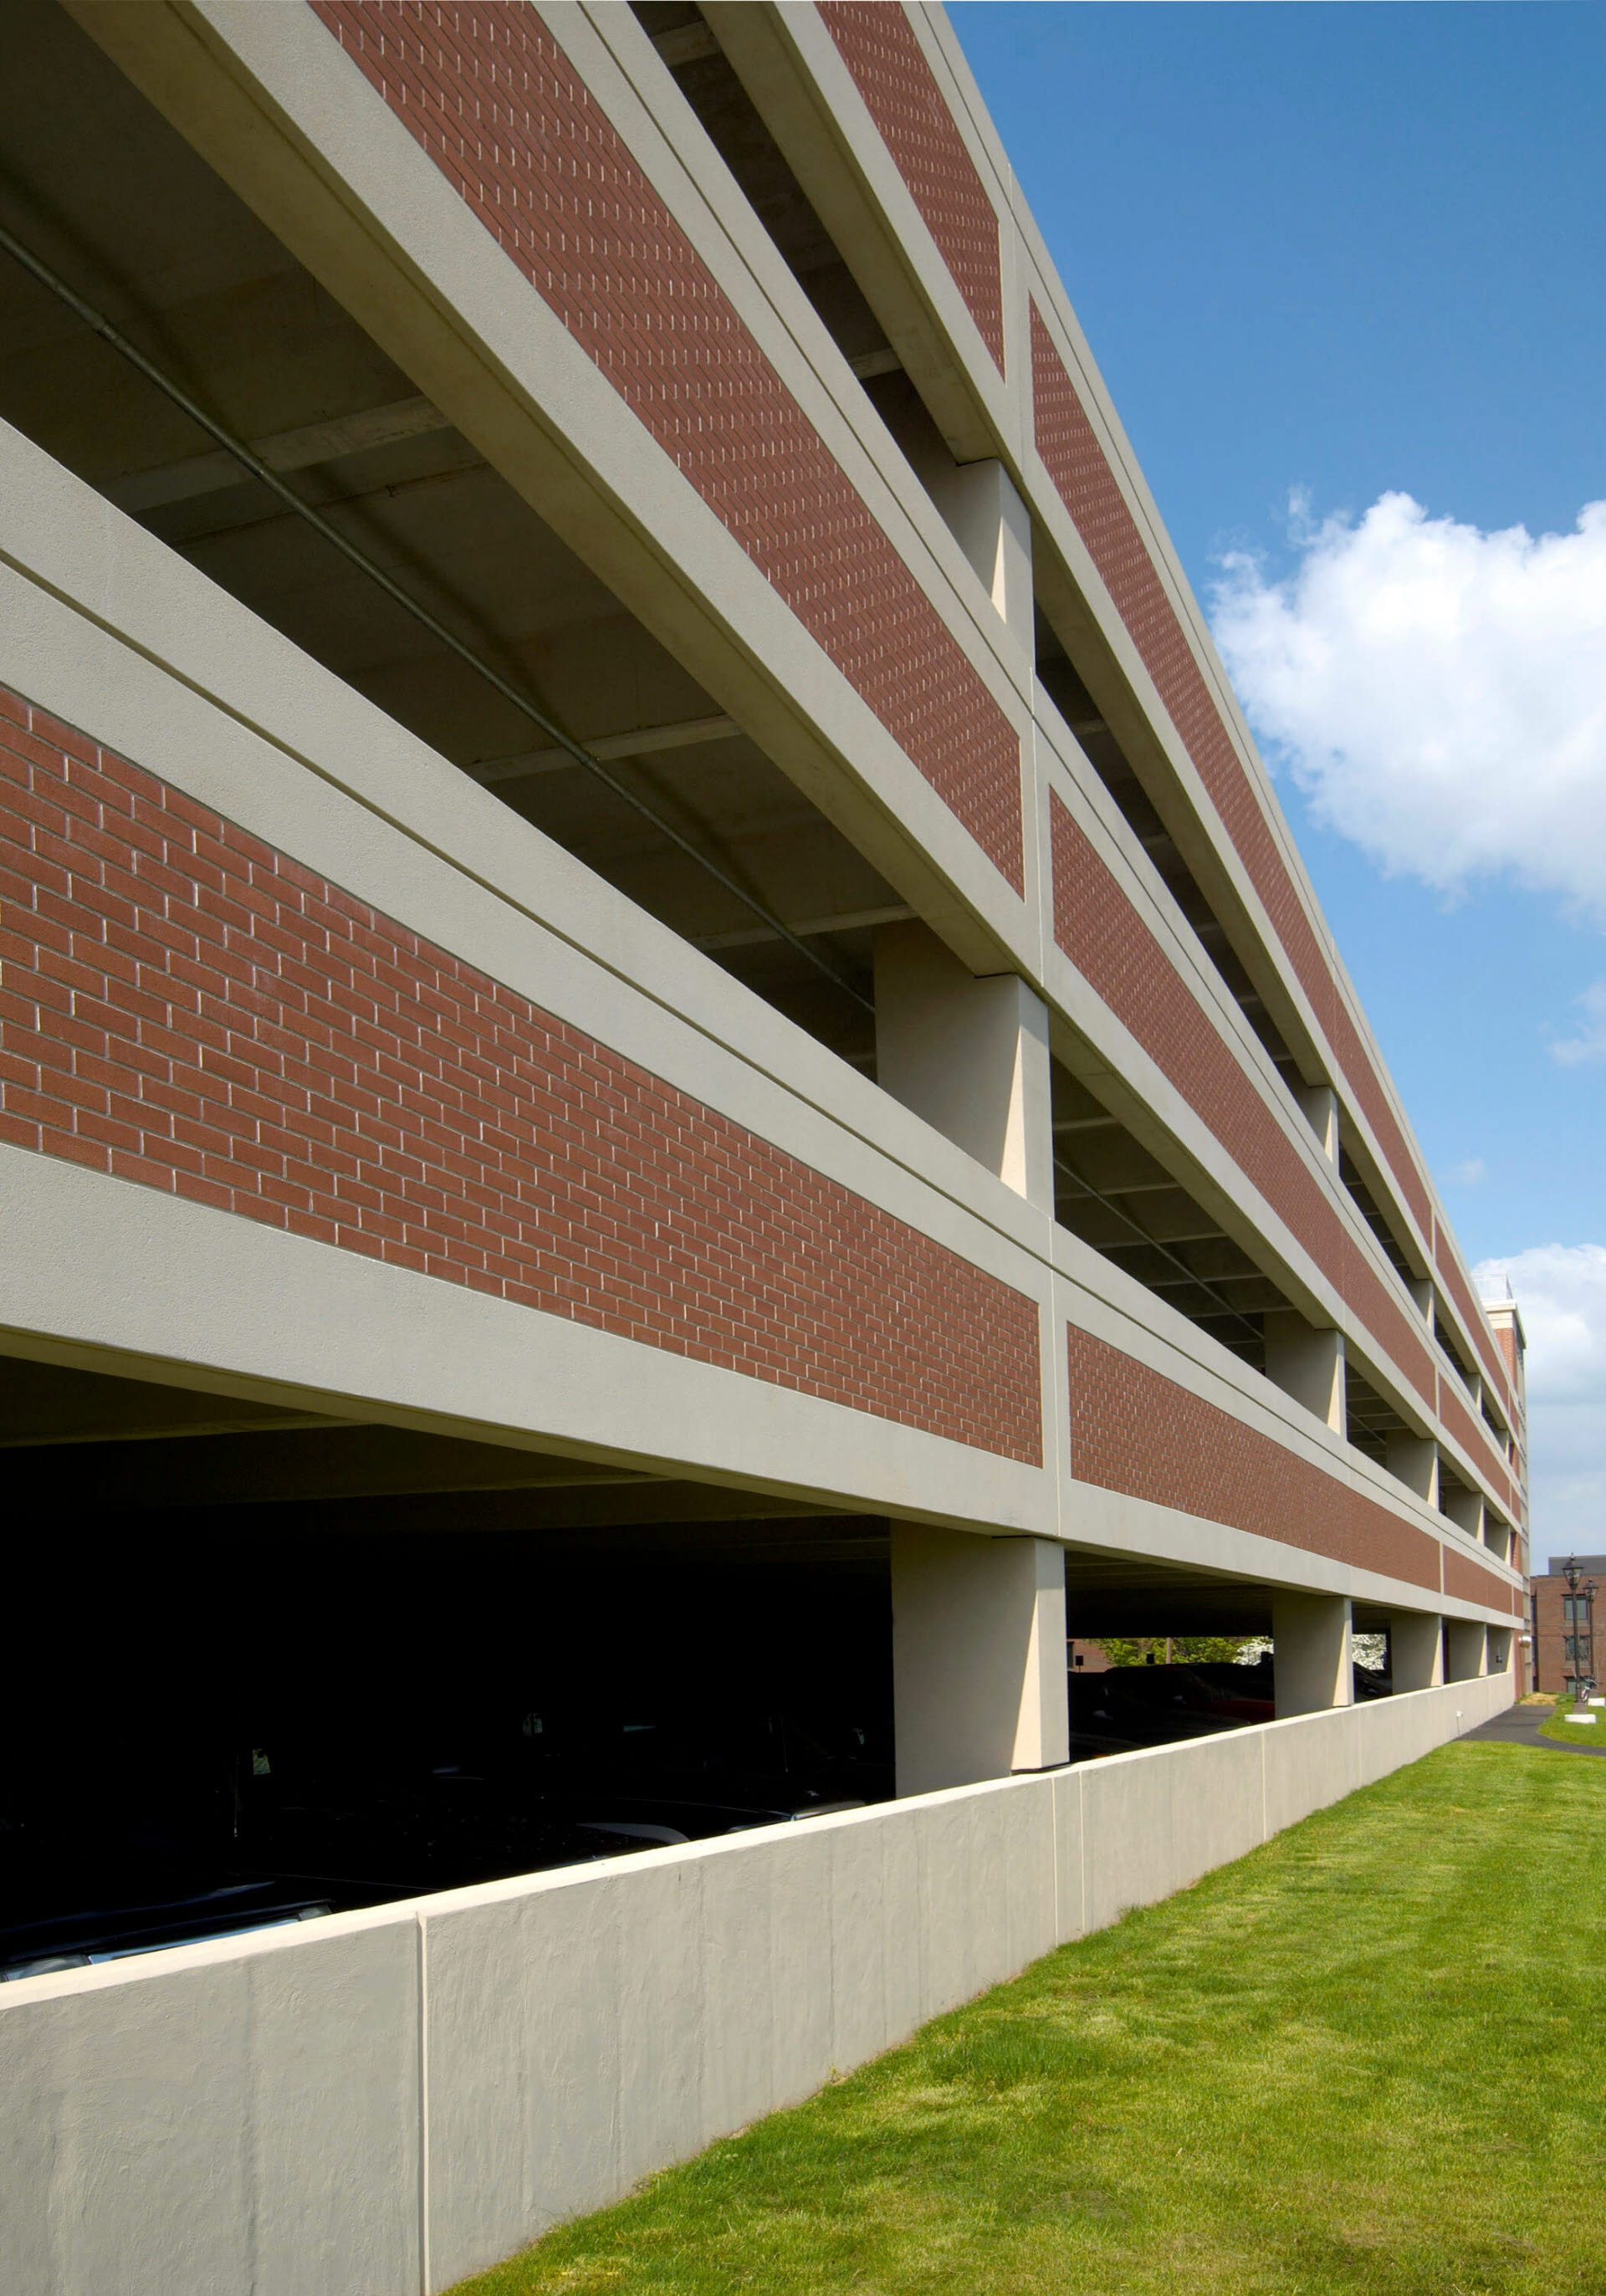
(285, 450)
(969, 1055)
(328, 1461)
(1462, 1507)
(1311, 1653)
(645, 742)
(1413, 1461)
(1416, 1650)
(1319, 1104)
(979, 1669)
(1466, 1649)
(993, 527)
(1309, 1366)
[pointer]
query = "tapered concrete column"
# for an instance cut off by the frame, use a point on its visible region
(994, 529)
(1466, 1649)
(1309, 1364)
(1421, 1288)
(978, 1669)
(1416, 1650)
(1320, 1104)
(1500, 1643)
(1413, 1459)
(1465, 1510)
(969, 1055)
(1496, 1536)
(1311, 1653)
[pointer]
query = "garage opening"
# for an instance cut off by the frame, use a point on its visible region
(386, 1664)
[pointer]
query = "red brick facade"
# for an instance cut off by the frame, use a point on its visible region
(490, 95)
(1460, 1292)
(1473, 1438)
(1112, 949)
(186, 1008)
(1134, 1430)
(1085, 484)
(1466, 1581)
(879, 47)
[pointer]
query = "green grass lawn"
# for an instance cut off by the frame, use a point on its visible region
(1568, 1732)
(1371, 2056)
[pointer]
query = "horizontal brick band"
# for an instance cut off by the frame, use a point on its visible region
(1085, 484)
(1471, 1435)
(1113, 949)
(186, 1007)
(1466, 1581)
(1461, 1291)
(490, 95)
(1134, 1430)
(877, 42)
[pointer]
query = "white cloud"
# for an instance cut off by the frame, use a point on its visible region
(1590, 1043)
(1560, 1293)
(1472, 1174)
(1439, 692)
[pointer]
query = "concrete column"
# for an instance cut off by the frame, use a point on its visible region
(1416, 1650)
(1466, 1649)
(969, 1055)
(1421, 1288)
(1413, 1460)
(1501, 1645)
(1465, 1510)
(1496, 1536)
(978, 1665)
(1310, 1652)
(1309, 1364)
(994, 529)
(1320, 1104)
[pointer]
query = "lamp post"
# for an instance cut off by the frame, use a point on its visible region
(1589, 1590)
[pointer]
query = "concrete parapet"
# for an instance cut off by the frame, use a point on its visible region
(381, 2103)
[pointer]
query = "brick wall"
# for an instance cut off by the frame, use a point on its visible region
(490, 95)
(1134, 1430)
(186, 1008)
(1550, 1663)
(1472, 1436)
(1466, 1581)
(900, 92)
(1472, 1315)
(1075, 462)
(1113, 949)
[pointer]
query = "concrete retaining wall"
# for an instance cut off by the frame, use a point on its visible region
(378, 2103)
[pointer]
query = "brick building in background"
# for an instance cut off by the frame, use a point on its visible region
(672, 1097)
(1564, 1625)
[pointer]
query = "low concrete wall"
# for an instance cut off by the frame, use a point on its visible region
(378, 2103)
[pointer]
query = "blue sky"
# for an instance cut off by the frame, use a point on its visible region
(1349, 253)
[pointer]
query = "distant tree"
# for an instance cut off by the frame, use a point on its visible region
(1213, 1650)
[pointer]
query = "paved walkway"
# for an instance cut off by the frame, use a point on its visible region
(1519, 1725)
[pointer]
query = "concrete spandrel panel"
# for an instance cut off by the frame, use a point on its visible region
(523, 2065)
(874, 1933)
(1027, 1811)
(1127, 1854)
(741, 1918)
(1310, 1761)
(963, 1894)
(661, 2114)
(1393, 1731)
(1068, 1854)
(335, 2124)
(1216, 1803)
(801, 1962)
(244, 2125)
